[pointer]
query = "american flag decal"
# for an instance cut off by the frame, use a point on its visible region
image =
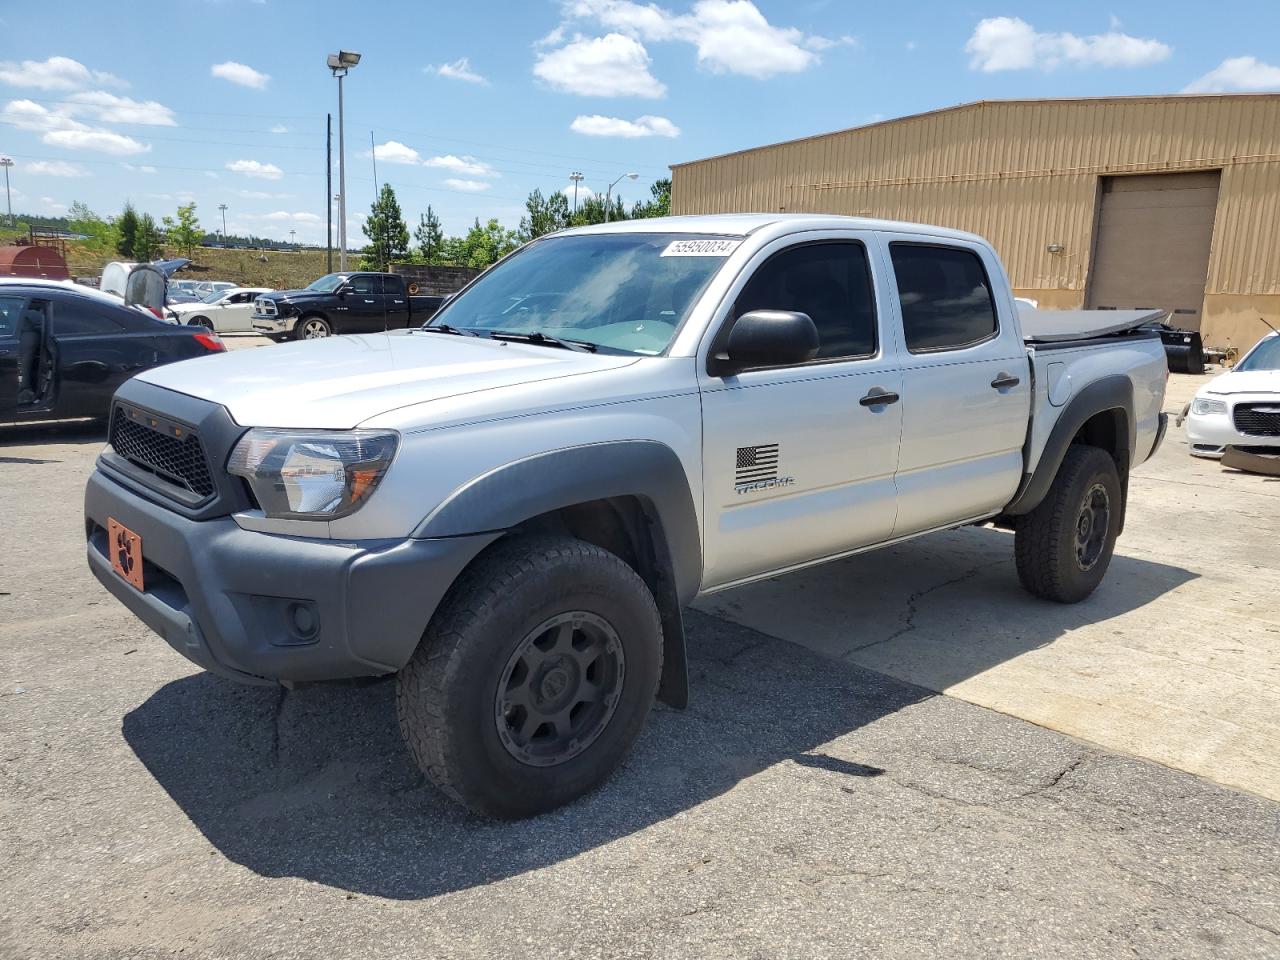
(757, 464)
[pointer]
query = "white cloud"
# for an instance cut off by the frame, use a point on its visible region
(284, 215)
(1237, 73)
(279, 128)
(255, 168)
(584, 193)
(56, 168)
(108, 108)
(59, 129)
(466, 165)
(240, 74)
(467, 186)
(144, 168)
(262, 195)
(52, 206)
(211, 175)
(393, 151)
(610, 66)
(646, 126)
(56, 73)
(460, 69)
(731, 36)
(1010, 43)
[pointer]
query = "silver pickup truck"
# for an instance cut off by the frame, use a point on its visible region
(508, 507)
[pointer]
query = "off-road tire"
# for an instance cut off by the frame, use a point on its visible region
(445, 695)
(1045, 542)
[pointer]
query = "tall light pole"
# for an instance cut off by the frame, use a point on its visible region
(340, 63)
(223, 208)
(576, 177)
(292, 234)
(608, 194)
(7, 162)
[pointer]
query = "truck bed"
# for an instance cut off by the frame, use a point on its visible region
(1060, 326)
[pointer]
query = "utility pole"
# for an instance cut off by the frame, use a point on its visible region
(7, 162)
(373, 152)
(223, 208)
(328, 192)
(292, 234)
(577, 178)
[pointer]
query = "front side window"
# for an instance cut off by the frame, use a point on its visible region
(366, 284)
(10, 315)
(622, 292)
(831, 282)
(326, 284)
(945, 295)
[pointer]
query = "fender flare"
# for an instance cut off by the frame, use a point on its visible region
(1112, 393)
(646, 470)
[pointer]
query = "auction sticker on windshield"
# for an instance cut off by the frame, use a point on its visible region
(700, 248)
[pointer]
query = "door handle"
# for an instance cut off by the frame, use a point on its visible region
(877, 397)
(1004, 381)
(368, 301)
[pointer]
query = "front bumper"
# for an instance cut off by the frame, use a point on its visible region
(271, 324)
(261, 608)
(1209, 434)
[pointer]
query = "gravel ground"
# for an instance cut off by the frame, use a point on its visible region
(802, 807)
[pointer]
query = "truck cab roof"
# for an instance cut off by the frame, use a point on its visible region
(746, 224)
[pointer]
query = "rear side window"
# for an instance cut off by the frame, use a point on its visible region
(10, 312)
(946, 297)
(831, 282)
(74, 316)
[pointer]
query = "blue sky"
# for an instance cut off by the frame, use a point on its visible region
(472, 105)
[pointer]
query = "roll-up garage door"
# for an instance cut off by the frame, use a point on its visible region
(1152, 244)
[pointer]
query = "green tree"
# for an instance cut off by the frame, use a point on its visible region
(482, 245)
(546, 215)
(387, 233)
(591, 210)
(430, 238)
(659, 205)
(127, 228)
(184, 232)
(146, 243)
(100, 235)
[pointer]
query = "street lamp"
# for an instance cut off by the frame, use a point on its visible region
(223, 208)
(608, 194)
(7, 162)
(577, 178)
(340, 63)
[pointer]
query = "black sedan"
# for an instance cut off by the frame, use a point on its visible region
(64, 350)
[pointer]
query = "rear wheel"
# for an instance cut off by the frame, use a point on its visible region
(534, 677)
(312, 328)
(1064, 545)
(200, 322)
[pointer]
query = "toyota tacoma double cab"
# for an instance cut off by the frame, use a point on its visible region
(342, 303)
(507, 508)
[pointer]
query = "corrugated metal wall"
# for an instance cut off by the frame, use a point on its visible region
(1024, 174)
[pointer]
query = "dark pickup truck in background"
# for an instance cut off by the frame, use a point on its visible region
(342, 303)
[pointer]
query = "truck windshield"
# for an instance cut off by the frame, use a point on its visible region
(326, 284)
(621, 292)
(1265, 356)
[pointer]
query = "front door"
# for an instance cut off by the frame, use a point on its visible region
(966, 391)
(796, 465)
(234, 312)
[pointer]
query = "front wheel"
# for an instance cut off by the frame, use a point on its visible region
(312, 328)
(200, 322)
(1064, 546)
(534, 677)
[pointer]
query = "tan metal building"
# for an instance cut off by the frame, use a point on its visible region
(1169, 201)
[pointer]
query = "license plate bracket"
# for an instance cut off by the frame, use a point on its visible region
(125, 547)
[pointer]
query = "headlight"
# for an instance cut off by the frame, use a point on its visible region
(1201, 406)
(313, 474)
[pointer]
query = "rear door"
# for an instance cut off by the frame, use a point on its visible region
(966, 392)
(97, 346)
(396, 302)
(10, 353)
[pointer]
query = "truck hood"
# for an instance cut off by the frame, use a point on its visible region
(1246, 381)
(340, 382)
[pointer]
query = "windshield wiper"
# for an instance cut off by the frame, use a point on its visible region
(542, 339)
(445, 328)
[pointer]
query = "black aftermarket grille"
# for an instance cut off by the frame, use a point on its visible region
(170, 451)
(1259, 419)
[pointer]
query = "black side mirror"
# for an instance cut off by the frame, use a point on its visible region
(767, 338)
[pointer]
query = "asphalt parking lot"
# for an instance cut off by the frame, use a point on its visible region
(896, 759)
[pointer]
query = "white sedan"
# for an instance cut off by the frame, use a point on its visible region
(225, 311)
(1240, 408)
